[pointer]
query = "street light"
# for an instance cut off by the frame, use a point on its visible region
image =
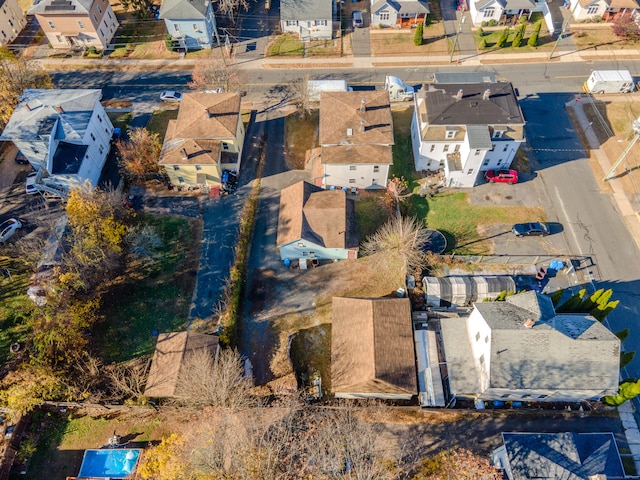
(458, 31)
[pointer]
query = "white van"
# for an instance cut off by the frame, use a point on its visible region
(357, 19)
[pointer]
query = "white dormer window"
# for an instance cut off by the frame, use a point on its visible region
(498, 133)
(450, 134)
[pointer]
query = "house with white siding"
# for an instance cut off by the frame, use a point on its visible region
(521, 350)
(398, 13)
(356, 140)
(191, 23)
(507, 10)
(316, 224)
(609, 10)
(464, 129)
(65, 134)
(310, 20)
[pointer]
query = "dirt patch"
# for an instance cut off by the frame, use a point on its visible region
(387, 42)
(115, 103)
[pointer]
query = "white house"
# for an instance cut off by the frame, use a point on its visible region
(398, 13)
(487, 10)
(316, 224)
(521, 350)
(356, 137)
(64, 133)
(609, 10)
(191, 23)
(466, 129)
(311, 20)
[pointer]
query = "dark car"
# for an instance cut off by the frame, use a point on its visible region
(21, 159)
(501, 176)
(531, 229)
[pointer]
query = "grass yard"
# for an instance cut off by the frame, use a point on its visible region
(370, 213)
(286, 45)
(388, 42)
(490, 37)
(587, 36)
(159, 121)
(147, 298)
(458, 220)
(301, 134)
(403, 165)
(15, 306)
(120, 120)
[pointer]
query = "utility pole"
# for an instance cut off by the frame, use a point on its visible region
(565, 25)
(458, 30)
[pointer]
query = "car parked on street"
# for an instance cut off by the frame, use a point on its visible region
(8, 228)
(31, 183)
(531, 229)
(170, 96)
(501, 176)
(358, 22)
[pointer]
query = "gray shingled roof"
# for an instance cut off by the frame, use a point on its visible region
(184, 9)
(65, 7)
(305, 10)
(500, 108)
(569, 456)
(39, 110)
(565, 352)
(519, 5)
(480, 4)
(408, 6)
(479, 136)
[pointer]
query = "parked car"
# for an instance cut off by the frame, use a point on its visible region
(21, 159)
(170, 96)
(531, 229)
(8, 433)
(31, 183)
(358, 22)
(8, 228)
(501, 176)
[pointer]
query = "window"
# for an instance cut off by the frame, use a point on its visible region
(506, 395)
(433, 147)
(320, 23)
(477, 336)
(34, 149)
(543, 396)
(99, 118)
(526, 395)
(107, 130)
(51, 25)
(485, 163)
(10, 22)
(198, 167)
(446, 148)
(176, 168)
(312, 254)
(105, 23)
(225, 146)
(450, 134)
(4, 34)
(493, 147)
(482, 358)
(196, 28)
(384, 15)
(93, 138)
(101, 33)
(486, 339)
(506, 147)
(301, 244)
(477, 152)
(101, 149)
(489, 12)
(99, 10)
(180, 180)
(352, 180)
(374, 181)
(592, 10)
(456, 148)
(95, 18)
(376, 168)
(292, 23)
(109, 14)
(470, 171)
(352, 167)
(498, 133)
(176, 27)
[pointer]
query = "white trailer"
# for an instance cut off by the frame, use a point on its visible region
(315, 87)
(398, 90)
(609, 81)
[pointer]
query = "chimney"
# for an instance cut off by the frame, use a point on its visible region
(486, 94)
(363, 105)
(59, 109)
(362, 126)
(459, 95)
(529, 322)
(183, 152)
(207, 114)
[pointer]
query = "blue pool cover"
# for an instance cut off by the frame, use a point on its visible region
(116, 463)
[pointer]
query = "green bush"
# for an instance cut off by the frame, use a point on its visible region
(484, 24)
(481, 31)
(168, 42)
(417, 39)
(503, 38)
(492, 23)
(533, 40)
(537, 27)
(517, 39)
(483, 43)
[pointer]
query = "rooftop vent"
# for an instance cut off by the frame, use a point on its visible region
(349, 132)
(59, 109)
(529, 322)
(486, 94)
(362, 126)
(459, 95)
(183, 152)
(363, 105)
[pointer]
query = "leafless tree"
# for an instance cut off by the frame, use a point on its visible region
(300, 93)
(128, 380)
(231, 7)
(402, 241)
(213, 74)
(207, 381)
(16, 75)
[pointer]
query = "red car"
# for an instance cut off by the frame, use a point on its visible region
(504, 176)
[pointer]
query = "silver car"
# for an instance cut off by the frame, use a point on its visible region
(8, 228)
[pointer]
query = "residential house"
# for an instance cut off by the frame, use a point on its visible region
(521, 350)
(64, 133)
(172, 350)
(464, 129)
(569, 456)
(76, 23)
(310, 20)
(507, 11)
(191, 23)
(356, 137)
(204, 140)
(609, 10)
(316, 224)
(12, 20)
(372, 349)
(398, 13)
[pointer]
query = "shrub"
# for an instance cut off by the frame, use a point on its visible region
(492, 23)
(483, 43)
(517, 39)
(168, 42)
(503, 38)
(484, 24)
(538, 27)
(417, 39)
(533, 40)
(481, 31)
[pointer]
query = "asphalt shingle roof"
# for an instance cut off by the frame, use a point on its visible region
(64, 7)
(305, 9)
(184, 9)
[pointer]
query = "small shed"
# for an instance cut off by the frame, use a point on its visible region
(464, 290)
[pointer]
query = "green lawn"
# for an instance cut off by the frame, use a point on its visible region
(370, 213)
(286, 45)
(148, 298)
(300, 136)
(159, 121)
(403, 165)
(490, 37)
(15, 306)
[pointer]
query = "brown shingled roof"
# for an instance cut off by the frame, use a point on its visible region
(167, 360)
(372, 347)
(324, 217)
(357, 154)
(632, 4)
(208, 116)
(340, 111)
(198, 152)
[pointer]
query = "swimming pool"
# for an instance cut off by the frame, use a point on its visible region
(114, 464)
